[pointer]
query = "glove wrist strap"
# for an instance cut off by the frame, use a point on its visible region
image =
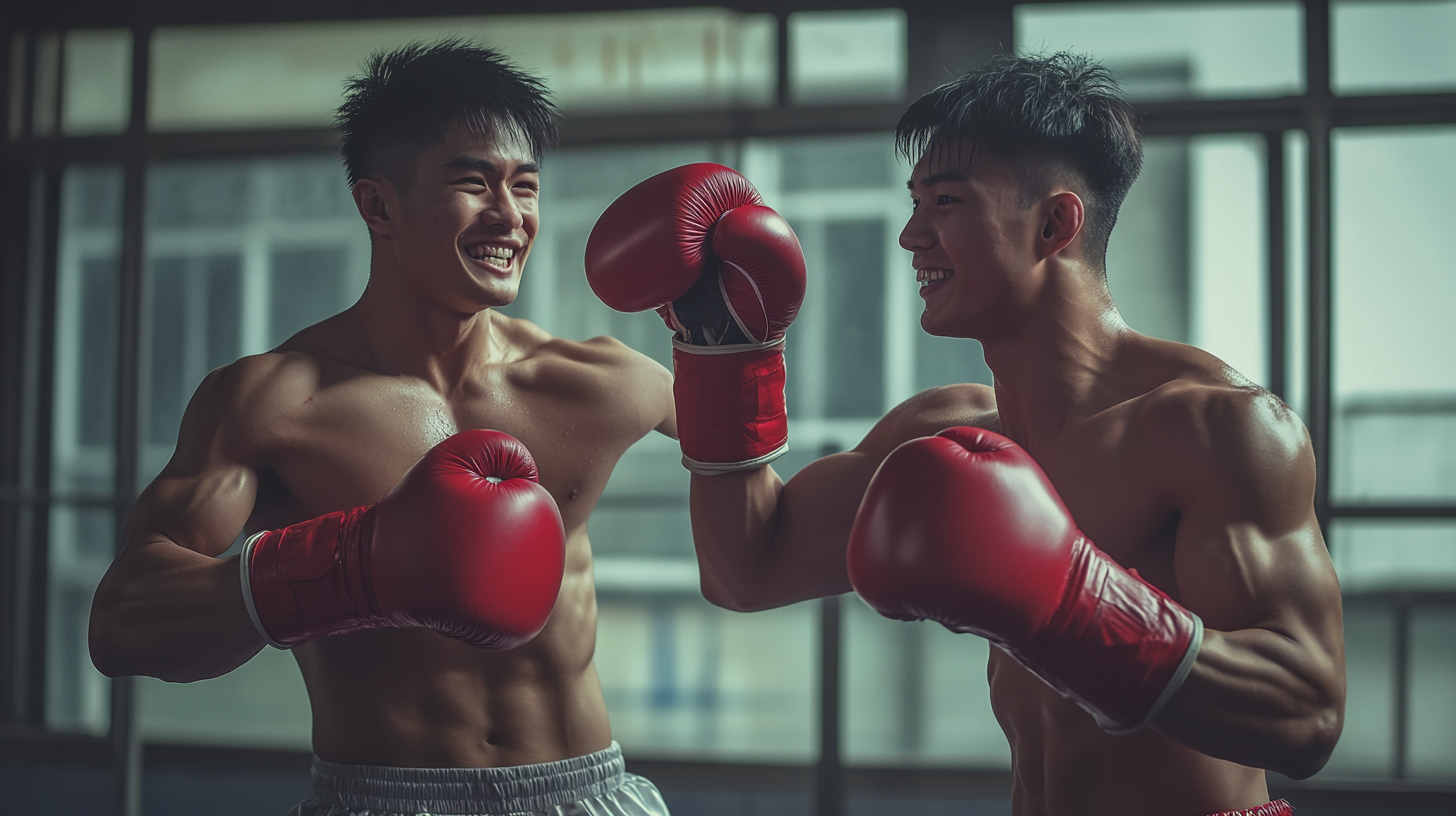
(731, 413)
(310, 579)
(1117, 646)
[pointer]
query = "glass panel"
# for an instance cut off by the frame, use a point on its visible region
(83, 432)
(1394, 411)
(1393, 45)
(1188, 259)
(1432, 713)
(252, 76)
(241, 255)
(82, 544)
(87, 289)
(1372, 555)
(262, 703)
(839, 56)
(851, 351)
(683, 678)
(1366, 747)
(97, 96)
(1168, 51)
(916, 693)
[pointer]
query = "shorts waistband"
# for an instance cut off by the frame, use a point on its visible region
(511, 789)
(1278, 807)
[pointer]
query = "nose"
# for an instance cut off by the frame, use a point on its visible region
(916, 236)
(503, 210)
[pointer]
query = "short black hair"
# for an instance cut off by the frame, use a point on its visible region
(406, 100)
(1042, 115)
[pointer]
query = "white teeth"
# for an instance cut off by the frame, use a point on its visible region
(483, 252)
(930, 275)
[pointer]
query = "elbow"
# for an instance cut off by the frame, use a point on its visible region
(101, 639)
(1313, 744)
(736, 599)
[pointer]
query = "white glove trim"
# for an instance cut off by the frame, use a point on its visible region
(1176, 681)
(244, 568)
(720, 468)
(736, 349)
(757, 294)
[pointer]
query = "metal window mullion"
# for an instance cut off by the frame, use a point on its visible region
(126, 743)
(829, 771)
(1278, 280)
(1317, 124)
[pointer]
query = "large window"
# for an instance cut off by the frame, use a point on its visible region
(1288, 220)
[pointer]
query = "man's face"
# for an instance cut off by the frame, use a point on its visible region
(973, 245)
(465, 227)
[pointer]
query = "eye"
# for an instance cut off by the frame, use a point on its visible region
(945, 199)
(914, 203)
(471, 181)
(529, 186)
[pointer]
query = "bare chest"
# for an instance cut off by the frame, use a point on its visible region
(350, 443)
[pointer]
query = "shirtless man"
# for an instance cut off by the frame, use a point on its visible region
(1178, 468)
(442, 145)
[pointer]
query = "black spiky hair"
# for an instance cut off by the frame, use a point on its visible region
(1042, 115)
(407, 99)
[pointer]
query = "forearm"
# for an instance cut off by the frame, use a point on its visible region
(167, 612)
(1259, 698)
(734, 519)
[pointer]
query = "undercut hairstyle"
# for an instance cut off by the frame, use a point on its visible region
(405, 102)
(1051, 118)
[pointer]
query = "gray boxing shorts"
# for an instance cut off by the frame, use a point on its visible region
(592, 785)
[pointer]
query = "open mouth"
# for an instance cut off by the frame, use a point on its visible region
(932, 279)
(492, 255)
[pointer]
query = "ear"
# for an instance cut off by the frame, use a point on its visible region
(1062, 217)
(377, 201)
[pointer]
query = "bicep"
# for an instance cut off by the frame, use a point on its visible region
(204, 495)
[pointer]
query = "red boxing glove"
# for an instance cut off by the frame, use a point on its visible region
(467, 544)
(963, 528)
(727, 275)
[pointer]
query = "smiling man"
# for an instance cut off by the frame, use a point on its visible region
(1141, 544)
(409, 593)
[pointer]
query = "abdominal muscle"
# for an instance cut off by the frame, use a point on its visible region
(415, 698)
(1063, 763)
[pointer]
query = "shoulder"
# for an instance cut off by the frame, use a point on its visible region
(240, 406)
(932, 411)
(1224, 440)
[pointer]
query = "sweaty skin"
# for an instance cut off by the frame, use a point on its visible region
(332, 418)
(1170, 461)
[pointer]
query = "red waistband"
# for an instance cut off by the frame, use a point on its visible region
(1278, 807)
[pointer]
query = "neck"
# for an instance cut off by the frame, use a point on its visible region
(409, 333)
(1055, 368)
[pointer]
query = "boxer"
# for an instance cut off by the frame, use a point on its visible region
(1128, 519)
(403, 552)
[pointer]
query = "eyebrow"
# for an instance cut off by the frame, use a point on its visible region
(936, 178)
(488, 166)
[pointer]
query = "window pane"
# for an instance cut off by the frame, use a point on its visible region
(241, 255)
(1187, 260)
(82, 526)
(847, 55)
(82, 543)
(1374, 555)
(83, 422)
(1168, 51)
(1432, 715)
(1394, 411)
(915, 693)
(1366, 745)
(97, 95)
(1393, 45)
(262, 703)
(291, 75)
